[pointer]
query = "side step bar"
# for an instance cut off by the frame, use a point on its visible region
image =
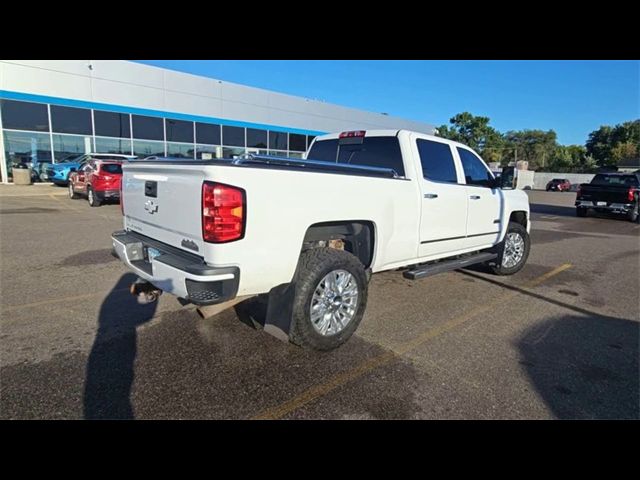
(447, 265)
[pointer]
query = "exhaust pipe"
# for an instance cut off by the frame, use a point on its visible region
(144, 291)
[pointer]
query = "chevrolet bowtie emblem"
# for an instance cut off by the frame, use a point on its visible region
(151, 206)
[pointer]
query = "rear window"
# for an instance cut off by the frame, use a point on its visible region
(111, 168)
(381, 152)
(558, 180)
(623, 180)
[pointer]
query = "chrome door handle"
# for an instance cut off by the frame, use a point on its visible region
(475, 197)
(430, 195)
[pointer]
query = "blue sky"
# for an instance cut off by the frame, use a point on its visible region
(571, 97)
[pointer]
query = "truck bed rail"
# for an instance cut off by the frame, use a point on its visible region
(268, 161)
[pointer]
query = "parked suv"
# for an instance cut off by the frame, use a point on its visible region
(59, 172)
(559, 184)
(98, 180)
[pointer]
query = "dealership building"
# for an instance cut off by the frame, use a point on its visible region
(56, 109)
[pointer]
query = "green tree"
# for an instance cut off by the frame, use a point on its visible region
(476, 132)
(534, 146)
(610, 145)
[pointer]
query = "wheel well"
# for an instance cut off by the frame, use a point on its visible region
(356, 237)
(519, 217)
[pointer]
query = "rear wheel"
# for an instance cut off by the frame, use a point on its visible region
(581, 212)
(513, 251)
(330, 298)
(72, 192)
(94, 201)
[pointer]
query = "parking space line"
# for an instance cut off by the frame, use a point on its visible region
(342, 378)
(64, 204)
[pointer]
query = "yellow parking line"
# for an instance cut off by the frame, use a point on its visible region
(342, 378)
(64, 204)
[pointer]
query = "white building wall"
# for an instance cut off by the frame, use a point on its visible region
(131, 84)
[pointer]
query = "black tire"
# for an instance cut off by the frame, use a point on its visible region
(498, 268)
(581, 212)
(72, 194)
(313, 266)
(93, 199)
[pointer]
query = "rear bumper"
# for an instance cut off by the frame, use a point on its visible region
(107, 193)
(609, 207)
(172, 270)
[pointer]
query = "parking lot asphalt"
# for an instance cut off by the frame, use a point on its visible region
(558, 340)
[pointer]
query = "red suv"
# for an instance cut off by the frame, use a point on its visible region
(98, 180)
(559, 184)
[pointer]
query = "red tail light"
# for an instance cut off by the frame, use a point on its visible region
(223, 212)
(356, 133)
(630, 194)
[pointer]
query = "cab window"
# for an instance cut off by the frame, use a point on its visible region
(475, 172)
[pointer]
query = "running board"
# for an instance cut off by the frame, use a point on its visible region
(447, 265)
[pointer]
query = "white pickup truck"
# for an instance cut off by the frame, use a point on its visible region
(310, 232)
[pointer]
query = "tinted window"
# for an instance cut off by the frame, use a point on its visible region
(625, 180)
(475, 173)
(179, 131)
(256, 138)
(25, 116)
(111, 124)
(382, 152)
(233, 136)
(324, 150)
(111, 168)
(437, 161)
(208, 133)
(113, 145)
(150, 128)
(297, 142)
(278, 140)
(70, 120)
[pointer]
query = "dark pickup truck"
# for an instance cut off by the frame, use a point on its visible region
(610, 192)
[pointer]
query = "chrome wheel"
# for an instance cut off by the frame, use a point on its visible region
(513, 250)
(90, 196)
(334, 302)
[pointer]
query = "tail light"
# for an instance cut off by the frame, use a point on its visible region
(356, 133)
(630, 194)
(223, 212)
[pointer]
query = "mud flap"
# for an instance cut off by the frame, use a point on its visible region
(280, 311)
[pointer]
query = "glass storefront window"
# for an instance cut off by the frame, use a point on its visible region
(208, 133)
(278, 153)
(71, 120)
(24, 115)
(232, 152)
(180, 150)
(111, 124)
(278, 140)
(208, 152)
(149, 128)
(295, 155)
(232, 136)
(297, 142)
(113, 145)
(68, 145)
(148, 149)
(27, 148)
(256, 138)
(178, 131)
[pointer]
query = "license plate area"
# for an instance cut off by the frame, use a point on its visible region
(601, 204)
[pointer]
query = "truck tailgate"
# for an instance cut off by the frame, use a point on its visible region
(164, 202)
(601, 193)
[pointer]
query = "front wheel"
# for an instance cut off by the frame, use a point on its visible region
(72, 193)
(330, 298)
(513, 251)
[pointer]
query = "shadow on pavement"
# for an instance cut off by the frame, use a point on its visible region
(585, 367)
(110, 366)
(559, 210)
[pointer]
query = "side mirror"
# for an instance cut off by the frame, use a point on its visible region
(508, 178)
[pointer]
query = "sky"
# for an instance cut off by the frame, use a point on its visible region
(571, 97)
